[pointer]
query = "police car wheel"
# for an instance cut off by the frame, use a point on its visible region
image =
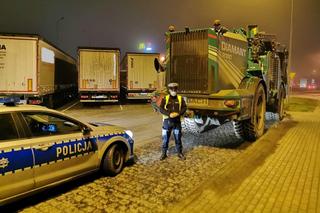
(113, 160)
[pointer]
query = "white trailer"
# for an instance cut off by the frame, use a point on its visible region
(35, 71)
(99, 74)
(138, 77)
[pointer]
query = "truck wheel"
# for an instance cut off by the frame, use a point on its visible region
(254, 128)
(190, 126)
(238, 129)
(113, 160)
(280, 104)
(271, 116)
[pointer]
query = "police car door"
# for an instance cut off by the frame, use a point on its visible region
(16, 159)
(59, 147)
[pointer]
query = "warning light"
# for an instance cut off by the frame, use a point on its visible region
(145, 46)
(141, 46)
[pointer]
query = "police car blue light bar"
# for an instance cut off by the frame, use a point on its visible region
(12, 100)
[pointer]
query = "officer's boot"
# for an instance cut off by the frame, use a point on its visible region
(163, 155)
(181, 156)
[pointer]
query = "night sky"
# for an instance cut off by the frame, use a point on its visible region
(126, 23)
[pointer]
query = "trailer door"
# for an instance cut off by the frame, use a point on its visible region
(141, 74)
(18, 66)
(99, 70)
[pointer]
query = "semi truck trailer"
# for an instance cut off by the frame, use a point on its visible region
(227, 75)
(36, 71)
(138, 79)
(99, 74)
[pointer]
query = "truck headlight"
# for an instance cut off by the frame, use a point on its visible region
(130, 133)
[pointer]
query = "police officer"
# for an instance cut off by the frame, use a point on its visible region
(172, 108)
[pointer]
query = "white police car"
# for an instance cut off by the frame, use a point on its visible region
(40, 147)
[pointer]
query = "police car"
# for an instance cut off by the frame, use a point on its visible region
(40, 148)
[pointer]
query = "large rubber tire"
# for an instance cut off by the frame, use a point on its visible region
(271, 116)
(253, 128)
(238, 129)
(113, 160)
(280, 104)
(190, 126)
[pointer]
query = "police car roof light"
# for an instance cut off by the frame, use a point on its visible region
(10, 101)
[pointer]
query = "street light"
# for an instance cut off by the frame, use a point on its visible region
(57, 28)
(289, 70)
(291, 37)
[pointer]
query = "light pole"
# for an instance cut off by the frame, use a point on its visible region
(57, 29)
(290, 50)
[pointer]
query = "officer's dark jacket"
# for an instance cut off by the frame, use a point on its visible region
(173, 106)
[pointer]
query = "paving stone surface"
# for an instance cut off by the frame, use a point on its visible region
(272, 175)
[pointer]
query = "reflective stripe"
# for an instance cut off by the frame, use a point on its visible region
(167, 101)
(164, 132)
(15, 160)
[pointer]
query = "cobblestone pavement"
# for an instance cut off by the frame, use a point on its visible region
(147, 186)
(269, 176)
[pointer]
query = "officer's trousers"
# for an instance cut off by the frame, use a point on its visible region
(167, 128)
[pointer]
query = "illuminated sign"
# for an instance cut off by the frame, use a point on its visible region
(47, 55)
(145, 46)
(141, 46)
(303, 83)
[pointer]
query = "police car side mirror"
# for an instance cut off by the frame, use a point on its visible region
(86, 131)
(158, 66)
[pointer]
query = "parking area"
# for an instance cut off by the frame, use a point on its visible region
(149, 185)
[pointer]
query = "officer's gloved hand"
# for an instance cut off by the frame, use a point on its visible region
(173, 114)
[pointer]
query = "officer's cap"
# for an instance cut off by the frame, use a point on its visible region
(173, 85)
(171, 28)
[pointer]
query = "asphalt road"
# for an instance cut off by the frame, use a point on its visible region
(315, 94)
(139, 118)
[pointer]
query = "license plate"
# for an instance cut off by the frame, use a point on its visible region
(99, 96)
(198, 101)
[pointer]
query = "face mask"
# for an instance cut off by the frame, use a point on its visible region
(173, 93)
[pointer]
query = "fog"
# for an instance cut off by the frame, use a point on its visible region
(126, 23)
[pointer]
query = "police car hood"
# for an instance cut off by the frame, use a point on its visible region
(101, 126)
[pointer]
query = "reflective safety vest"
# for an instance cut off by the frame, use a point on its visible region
(167, 101)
